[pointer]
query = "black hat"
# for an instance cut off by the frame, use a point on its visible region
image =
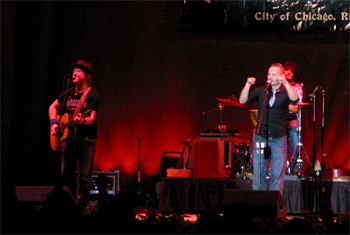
(86, 66)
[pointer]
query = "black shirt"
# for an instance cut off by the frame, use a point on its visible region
(275, 119)
(91, 102)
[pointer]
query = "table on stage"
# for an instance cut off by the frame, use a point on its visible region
(201, 194)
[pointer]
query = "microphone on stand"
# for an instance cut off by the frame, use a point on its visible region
(183, 142)
(303, 92)
(186, 143)
(268, 85)
(314, 92)
(68, 76)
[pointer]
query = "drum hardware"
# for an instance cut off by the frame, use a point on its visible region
(231, 101)
(303, 104)
(227, 171)
(241, 166)
(296, 160)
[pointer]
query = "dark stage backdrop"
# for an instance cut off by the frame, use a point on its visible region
(155, 82)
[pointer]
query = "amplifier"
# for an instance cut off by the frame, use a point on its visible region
(113, 184)
(209, 157)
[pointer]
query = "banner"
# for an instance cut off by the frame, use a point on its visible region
(266, 15)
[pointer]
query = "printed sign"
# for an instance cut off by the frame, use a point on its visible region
(266, 15)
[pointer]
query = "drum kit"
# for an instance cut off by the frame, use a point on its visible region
(241, 166)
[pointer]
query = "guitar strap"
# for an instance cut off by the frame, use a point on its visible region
(81, 102)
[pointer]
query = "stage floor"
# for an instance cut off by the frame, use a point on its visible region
(301, 196)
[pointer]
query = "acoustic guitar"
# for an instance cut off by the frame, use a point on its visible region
(66, 129)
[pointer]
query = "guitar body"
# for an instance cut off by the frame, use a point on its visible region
(66, 130)
(58, 141)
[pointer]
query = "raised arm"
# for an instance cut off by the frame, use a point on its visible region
(243, 98)
(292, 94)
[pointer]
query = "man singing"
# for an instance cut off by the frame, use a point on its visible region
(271, 133)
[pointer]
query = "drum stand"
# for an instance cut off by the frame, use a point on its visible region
(296, 156)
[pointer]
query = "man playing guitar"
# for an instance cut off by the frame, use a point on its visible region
(73, 117)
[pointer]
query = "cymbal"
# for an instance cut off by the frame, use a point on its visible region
(230, 101)
(303, 103)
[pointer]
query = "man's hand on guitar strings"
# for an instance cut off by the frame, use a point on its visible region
(79, 120)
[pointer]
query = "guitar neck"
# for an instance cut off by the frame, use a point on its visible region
(67, 124)
(69, 119)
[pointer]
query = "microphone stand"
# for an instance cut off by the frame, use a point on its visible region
(139, 158)
(322, 130)
(258, 130)
(59, 134)
(221, 107)
(313, 97)
(185, 161)
(314, 136)
(139, 191)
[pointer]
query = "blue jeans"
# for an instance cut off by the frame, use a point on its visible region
(278, 164)
(84, 151)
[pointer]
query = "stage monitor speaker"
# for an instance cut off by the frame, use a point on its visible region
(170, 159)
(258, 202)
(35, 193)
(208, 158)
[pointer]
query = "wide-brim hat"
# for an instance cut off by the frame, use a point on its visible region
(86, 66)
